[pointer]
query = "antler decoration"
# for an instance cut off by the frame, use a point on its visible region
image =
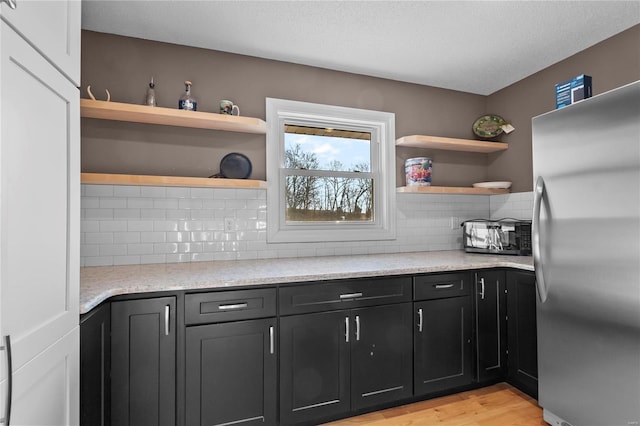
(94, 98)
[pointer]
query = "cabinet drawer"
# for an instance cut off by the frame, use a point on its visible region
(317, 297)
(439, 286)
(201, 308)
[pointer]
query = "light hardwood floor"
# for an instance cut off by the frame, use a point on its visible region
(498, 405)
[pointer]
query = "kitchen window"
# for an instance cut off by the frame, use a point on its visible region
(330, 173)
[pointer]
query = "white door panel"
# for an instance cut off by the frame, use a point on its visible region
(39, 197)
(45, 390)
(53, 26)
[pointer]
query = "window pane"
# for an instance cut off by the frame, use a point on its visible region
(311, 148)
(322, 199)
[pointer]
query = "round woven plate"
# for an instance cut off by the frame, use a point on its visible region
(488, 126)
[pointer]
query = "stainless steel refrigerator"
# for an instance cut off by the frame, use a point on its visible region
(586, 247)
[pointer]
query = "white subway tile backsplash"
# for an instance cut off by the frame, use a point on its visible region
(126, 191)
(126, 237)
(153, 258)
(113, 225)
(98, 238)
(177, 192)
(98, 214)
(113, 203)
(153, 214)
(226, 193)
(165, 203)
(153, 237)
(98, 190)
(140, 203)
(126, 213)
(140, 224)
(126, 260)
(113, 249)
(140, 248)
(190, 203)
(153, 191)
(202, 192)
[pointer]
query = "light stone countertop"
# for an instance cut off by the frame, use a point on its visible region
(98, 283)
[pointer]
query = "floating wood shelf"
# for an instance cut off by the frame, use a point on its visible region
(145, 180)
(450, 144)
(460, 190)
(170, 117)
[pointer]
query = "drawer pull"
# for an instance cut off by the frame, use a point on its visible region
(11, 3)
(271, 341)
(350, 296)
(443, 286)
(7, 348)
(233, 306)
(346, 329)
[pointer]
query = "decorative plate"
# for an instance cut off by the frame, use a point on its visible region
(494, 185)
(235, 166)
(488, 126)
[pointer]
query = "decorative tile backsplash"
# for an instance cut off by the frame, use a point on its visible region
(124, 225)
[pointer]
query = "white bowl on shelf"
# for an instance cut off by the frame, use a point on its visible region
(493, 185)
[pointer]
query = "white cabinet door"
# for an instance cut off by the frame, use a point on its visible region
(53, 26)
(45, 390)
(39, 204)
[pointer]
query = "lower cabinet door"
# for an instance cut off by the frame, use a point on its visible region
(143, 362)
(381, 355)
(314, 366)
(95, 366)
(522, 331)
(45, 390)
(491, 326)
(231, 373)
(442, 345)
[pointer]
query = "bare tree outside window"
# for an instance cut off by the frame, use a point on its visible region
(328, 176)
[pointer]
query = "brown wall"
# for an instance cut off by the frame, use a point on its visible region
(124, 65)
(611, 63)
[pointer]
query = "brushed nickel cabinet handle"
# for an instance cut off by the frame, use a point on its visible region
(420, 317)
(7, 348)
(443, 286)
(346, 329)
(166, 320)
(350, 296)
(271, 341)
(12, 4)
(357, 327)
(482, 288)
(233, 306)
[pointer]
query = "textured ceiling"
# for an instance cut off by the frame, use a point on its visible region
(472, 46)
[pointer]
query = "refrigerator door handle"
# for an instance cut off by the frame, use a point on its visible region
(535, 237)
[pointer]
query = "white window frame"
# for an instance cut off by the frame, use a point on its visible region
(381, 125)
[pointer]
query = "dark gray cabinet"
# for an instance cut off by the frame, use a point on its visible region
(315, 366)
(143, 362)
(339, 361)
(231, 359)
(381, 361)
(522, 331)
(95, 366)
(442, 336)
(304, 353)
(490, 325)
